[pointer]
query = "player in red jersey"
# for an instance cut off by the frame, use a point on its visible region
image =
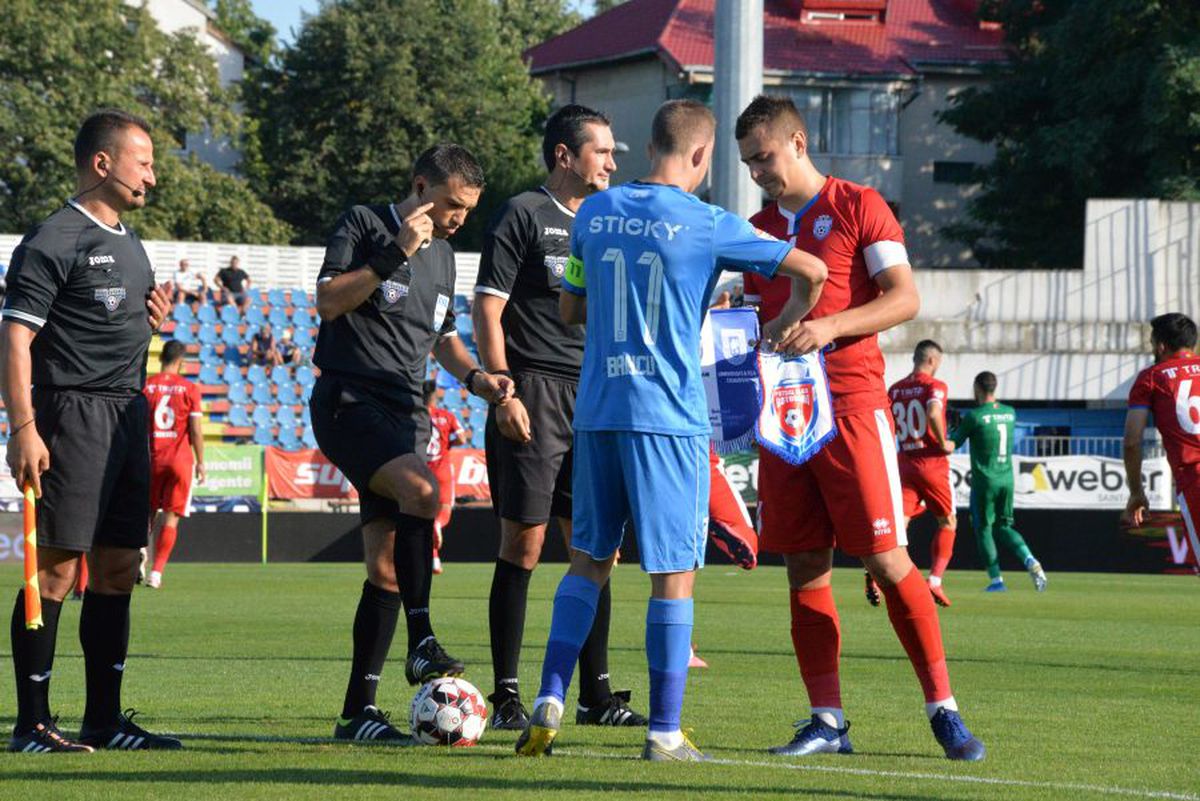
(447, 432)
(919, 412)
(175, 435)
(728, 519)
(1170, 391)
(849, 493)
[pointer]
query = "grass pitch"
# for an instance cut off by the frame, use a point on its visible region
(1091, 690)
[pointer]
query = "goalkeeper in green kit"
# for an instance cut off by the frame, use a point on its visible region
(989, 429)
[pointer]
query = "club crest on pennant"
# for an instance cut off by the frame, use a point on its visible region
(793, 404)
(110, 297)
(822, 226)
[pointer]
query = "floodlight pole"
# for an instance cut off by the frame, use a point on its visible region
(737, 78)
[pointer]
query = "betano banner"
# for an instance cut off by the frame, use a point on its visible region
(1047, 482)
(308, 474)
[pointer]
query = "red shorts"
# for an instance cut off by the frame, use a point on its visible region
(926, 486)
(847, 495)
(171, 487)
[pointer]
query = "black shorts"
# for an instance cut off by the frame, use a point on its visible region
(532, 482)
(97, 490)
(361, 428)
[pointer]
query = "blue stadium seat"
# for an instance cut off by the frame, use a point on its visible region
(305, 393)
(477, 438)
(277, 297)
(263, 436)
(286, 417)
(462, 324)
(303, 338)
(476, 403)
(262, 393)
(183, 333)
(256, 298)
(230, 315)
(304, 376)
(278, 318)
(208, 334)
(262, 416)
(309, 438)
(306, 415)
(182, 313)
(255, 316)
(207, 314)
(280, 374)
(239, 417)
(210, 374)
(209, 355)
(237, 391)
(233, 357)
(230, 336)
(289, 441)
(301, 318)
(286, 392)
(256, 374)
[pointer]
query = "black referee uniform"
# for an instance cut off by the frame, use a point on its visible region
(82, 286)
(368, 409)
(524, 256)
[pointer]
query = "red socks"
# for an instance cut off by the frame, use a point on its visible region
(81, 576)
(943, 549)
(817, 639)
(914, 617)
(162, 548)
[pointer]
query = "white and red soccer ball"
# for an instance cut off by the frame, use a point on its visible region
(448, 711)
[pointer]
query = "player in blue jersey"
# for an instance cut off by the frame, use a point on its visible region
(644, 259)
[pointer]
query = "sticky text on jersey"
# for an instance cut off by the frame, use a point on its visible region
(634, 226)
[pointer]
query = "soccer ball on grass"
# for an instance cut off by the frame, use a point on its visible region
(448, 711)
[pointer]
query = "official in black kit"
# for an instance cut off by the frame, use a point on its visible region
(520, 333)
(385, 298)
(77, 320)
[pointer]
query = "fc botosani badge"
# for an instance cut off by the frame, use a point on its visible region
(556, 265)
(110, 297)
(822, 226)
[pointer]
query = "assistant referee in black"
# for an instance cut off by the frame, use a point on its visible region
(385, 296)
(77, 320)
(520, 333)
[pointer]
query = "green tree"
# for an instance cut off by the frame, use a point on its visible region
(369, 84)
(1100, 100)
(253, 34)
(62, 59)
(600, 6)
(531, 22)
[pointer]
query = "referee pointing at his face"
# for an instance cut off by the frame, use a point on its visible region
(77, 320)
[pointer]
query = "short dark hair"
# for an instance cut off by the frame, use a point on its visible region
(428, 389)
(925, 348)
(1173, 330)
(172, 352)
(681, 123)
(769, 110)
(986, 382)
(445, 159)
(100, 131)
(568, 126)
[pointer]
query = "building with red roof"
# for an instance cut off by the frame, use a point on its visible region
(869, 75)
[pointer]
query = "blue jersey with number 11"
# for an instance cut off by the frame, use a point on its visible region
(647, 257)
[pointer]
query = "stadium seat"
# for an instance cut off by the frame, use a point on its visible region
(210, 374)
(231, 337)
(305, 393)
(209, 355)
(477, 438)
(278, 318)
(304, 376)
(285, 392)
(183, 333)
(255, 316)
(256, 298)
(208, 334)
(301, 318)
(238, 416)
(230, 315)
(280, 374)
(263, 436)
(309, 438)
(289, 441)
(207, 314)
(182, 313)
(262, 416)
(256, 374)
(286, 417)
(303, 339)
(237, 391)
(262, 393)
(306, 415)
(277, 297)
(233, 357)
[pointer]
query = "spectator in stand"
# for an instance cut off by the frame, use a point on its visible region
(190, 285)
(233, 282)
(263, 349)
(286, 349)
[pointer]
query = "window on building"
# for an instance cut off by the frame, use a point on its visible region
(954, 172)
(856, 122)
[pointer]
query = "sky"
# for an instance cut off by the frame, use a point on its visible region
(284, 14)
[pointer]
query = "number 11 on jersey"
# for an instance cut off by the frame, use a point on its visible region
(621, 284)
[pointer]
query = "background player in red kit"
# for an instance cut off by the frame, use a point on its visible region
(446, 433)
(175, 434)
(919, 412)
(1169, 390)
(849, 493)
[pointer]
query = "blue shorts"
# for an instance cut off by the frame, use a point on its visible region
(657, 483)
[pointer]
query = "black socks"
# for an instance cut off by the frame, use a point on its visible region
(33, 658)
(593, 658)
(413, 558)
(506, 619)
(374, 625)
(104, 635)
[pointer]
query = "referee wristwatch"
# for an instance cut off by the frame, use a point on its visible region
(469, 380)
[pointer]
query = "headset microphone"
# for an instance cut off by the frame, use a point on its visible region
(132, 191)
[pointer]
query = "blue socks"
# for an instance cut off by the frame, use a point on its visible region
(574, 613)
(668, 648)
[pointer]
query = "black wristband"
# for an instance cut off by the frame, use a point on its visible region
(386, 262)
(505, 373)
(470, 379)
